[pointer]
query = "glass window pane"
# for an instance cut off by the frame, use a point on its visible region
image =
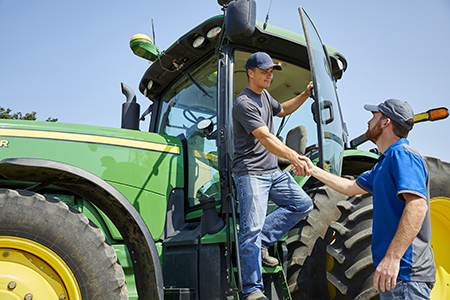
(183, 105)
(331, 123)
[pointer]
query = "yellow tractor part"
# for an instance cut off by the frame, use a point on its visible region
(440, 232)
(29, 270)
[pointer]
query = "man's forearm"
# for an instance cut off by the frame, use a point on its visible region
(274, 145)
(409, 225)
(293, 104)
(342, 185)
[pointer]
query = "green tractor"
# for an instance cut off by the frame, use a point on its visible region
(92, 212)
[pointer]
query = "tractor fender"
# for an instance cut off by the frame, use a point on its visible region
(355, 162)
(137, 237)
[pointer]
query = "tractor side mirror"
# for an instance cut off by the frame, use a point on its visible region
(240, 19)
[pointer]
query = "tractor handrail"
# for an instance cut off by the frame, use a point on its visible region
(238, 287)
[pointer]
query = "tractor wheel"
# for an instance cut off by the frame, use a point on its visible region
(440, 224)
(353, 270)
(49, 250)
(306, 244)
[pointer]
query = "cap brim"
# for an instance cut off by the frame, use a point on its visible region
(268, 66)
(370, 107)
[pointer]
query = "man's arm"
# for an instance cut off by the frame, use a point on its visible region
(292, 105)
(342, 185)
(274, 145)
(410, 223)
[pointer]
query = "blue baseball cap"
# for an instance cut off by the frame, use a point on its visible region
(396, 110)
(261, 60)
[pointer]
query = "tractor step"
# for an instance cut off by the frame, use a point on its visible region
(178, 294)
(274, 280)
(275, 283)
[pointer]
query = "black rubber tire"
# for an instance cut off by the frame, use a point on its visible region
(306, 244)
(70, 235)
(353, 269)
(440, 177)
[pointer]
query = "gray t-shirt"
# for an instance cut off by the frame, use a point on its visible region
(251, 111)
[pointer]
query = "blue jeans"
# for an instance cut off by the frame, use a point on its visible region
(256, 230)
(408, 290)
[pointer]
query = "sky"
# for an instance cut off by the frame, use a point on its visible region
(66, 59)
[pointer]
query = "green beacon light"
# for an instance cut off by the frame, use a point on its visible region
(142, 46)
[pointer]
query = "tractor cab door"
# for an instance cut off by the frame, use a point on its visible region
(325, 108)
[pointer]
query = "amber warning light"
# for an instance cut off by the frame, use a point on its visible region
(432, 115)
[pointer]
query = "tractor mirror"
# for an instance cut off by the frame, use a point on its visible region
(240, 19)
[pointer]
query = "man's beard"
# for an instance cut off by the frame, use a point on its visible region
(374, 133)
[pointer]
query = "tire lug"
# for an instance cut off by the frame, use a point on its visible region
(12, 285)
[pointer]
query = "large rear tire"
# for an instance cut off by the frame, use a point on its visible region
(306, 243)
(353, 269)
(440, 224)
(52, 251)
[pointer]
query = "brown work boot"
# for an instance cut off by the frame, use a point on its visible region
(256, 296)
(268, 260)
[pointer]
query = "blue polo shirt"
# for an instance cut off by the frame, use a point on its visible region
(400, 169)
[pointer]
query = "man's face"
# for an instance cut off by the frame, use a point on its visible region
(261, 78)
(374, 131)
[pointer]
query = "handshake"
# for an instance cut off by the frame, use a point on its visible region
(302, 166)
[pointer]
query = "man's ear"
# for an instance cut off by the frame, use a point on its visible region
(250, 73)
(386, 122)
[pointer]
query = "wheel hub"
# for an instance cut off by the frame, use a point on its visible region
(30, 271)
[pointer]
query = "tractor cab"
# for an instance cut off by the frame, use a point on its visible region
(194, 83)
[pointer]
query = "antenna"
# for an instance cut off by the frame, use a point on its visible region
(267, 16)
(153, 29)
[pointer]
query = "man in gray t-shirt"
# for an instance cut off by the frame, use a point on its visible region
(257, 176)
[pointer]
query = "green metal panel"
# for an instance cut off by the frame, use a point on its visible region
(144, 167)
(151, 206)
(355, 152)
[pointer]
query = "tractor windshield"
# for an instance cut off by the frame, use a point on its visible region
(191, 99)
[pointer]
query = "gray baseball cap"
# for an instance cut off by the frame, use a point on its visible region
(398, 111)
(261, 60)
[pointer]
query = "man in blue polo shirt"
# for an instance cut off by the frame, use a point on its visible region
(401, 236)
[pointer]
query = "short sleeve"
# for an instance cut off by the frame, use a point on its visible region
(410, 174)
(248, 115)
(365, 180)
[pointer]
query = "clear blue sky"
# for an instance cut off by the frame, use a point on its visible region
(66, 59)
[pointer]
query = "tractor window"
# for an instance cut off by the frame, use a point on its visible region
(192, 98)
